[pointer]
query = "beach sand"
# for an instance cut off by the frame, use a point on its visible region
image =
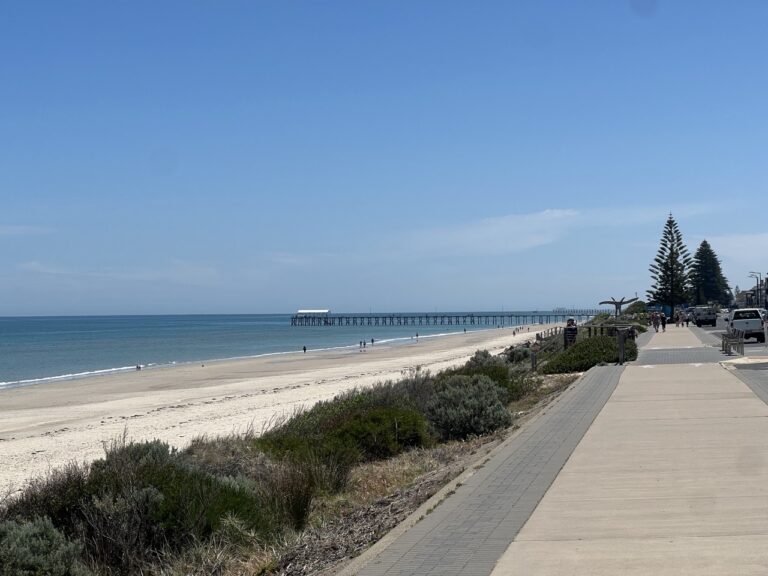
(47, 425)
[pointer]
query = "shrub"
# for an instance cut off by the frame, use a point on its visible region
(518, 354)
(483, 358)
(357, 425)
(290, 489)
(383, 432)
(37, 548)
(411, 392)
(233, 455)
(120, 529)
(588, 353)
(522, 383)
(465, 406)
(494, 367)
(360, 433)
(57, 495)
(191, 501)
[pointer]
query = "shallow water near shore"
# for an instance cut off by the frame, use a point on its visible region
(40, 349)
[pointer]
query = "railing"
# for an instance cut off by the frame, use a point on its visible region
(733, 341)
(553, 340)
(548, 343)
(604, 330)
(442, 318)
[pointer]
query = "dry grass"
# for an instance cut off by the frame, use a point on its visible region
(545, 387)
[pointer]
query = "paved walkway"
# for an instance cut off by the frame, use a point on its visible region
(467, 533)
(664, 472)
(671, 478)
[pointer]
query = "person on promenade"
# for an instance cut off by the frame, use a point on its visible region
(663, 322)
(655, 321)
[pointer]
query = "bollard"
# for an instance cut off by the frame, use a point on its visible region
(620, 342)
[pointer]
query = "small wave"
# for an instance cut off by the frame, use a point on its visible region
(17, 383)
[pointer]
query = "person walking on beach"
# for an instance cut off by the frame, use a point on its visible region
(371, 341)
(305, 349)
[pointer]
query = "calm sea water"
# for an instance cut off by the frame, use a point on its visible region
(48, 348)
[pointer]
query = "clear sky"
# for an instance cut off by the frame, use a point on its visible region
(264, 156)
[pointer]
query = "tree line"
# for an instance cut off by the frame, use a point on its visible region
(678, 278)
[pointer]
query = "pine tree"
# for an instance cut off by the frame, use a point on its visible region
(670, 270)
(707, 280)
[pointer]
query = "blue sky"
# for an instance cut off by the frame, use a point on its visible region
(214, 157)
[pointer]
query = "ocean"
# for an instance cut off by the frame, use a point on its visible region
(39, 349)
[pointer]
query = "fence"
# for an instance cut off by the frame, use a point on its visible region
(554, 340)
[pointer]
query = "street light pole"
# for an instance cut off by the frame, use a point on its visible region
(759, 279)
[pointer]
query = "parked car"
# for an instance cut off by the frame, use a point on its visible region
(750, 321)
(704, 315)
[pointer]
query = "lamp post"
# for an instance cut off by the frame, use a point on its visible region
(759, 279)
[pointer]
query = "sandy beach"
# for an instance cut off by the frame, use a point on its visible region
(44, 426)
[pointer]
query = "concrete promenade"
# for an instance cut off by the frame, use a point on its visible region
(657, 468)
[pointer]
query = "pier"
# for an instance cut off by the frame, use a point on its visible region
(315, 318)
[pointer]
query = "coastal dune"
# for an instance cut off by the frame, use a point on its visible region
(47, 425)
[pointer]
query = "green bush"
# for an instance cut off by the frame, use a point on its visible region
(482, 358)
(518, 354)
(232, 455)
(588, 353)
(290, 489)
(191, 501)
(410, 392)
(355, 433)
(482, 363)
(58, 495)
(287, 486)
(36, 548)
(121, 532)
(464, 406)
(383, 432)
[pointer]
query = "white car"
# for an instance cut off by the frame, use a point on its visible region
(704, 315)
(750, 321)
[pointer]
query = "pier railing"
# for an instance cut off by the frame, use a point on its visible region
(444, 319)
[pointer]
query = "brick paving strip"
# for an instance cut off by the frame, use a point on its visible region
(469, 531)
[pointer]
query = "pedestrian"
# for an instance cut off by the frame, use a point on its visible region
(655, 321)
(371, 341)
(663, 322)
(305, 349)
